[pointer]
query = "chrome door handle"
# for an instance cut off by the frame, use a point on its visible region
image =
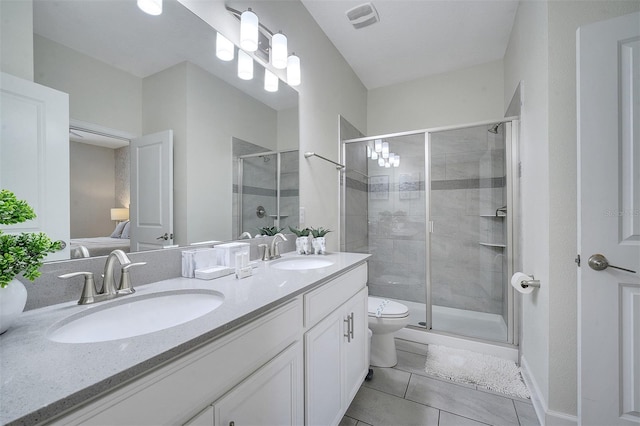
(165, 237)
(347, 321)
(598, 262)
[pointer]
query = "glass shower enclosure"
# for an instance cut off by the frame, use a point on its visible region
(438, 225)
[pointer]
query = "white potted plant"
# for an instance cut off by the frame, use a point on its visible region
(21, 253)
(303, 245)
(319, 243)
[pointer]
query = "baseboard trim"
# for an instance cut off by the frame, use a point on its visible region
(545, 416)
(426, 337)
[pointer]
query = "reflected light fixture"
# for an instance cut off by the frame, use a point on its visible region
(396, 161)
(152, 7)
(377, 145)
(249, 31)
(293, 70)
(119, 214)
(270, 81)
(279, 51)
(374, 155)
(381, 162)
(385, 149)
(245, 65)
(368, 151)
(225, 49)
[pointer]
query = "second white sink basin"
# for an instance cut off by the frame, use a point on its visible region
(136, 316)
(301, 263)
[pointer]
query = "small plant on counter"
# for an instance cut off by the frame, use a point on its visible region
(300, 232)
(24, 252)
(269, 230)
(319, 232)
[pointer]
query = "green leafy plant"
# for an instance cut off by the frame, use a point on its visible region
(319, 232)
(269, 230)
(24, 252)
(300, 232)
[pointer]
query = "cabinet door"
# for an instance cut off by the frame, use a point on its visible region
(356, 346)
(270, 396)
(323, 371)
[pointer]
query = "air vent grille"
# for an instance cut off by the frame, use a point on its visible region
(363, 15)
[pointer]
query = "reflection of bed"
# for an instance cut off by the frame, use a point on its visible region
(97, 246)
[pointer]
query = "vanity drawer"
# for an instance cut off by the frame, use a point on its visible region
(322, 301)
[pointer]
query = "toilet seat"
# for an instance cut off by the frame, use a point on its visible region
(388, 308)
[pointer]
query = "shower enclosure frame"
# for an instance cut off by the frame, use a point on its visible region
(511, 131)
(240, 172)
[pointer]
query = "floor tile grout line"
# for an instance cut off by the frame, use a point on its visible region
(516, 410)
(464, 417)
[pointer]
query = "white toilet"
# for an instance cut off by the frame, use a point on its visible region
(385, 318)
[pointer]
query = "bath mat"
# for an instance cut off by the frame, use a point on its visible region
(485, 371)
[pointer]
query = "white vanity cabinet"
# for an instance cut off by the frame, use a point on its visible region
(336, 347)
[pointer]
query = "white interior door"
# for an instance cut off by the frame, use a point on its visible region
(151, 209)
(609, 221)
(34, 155)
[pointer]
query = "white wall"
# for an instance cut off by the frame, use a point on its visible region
(463, 96)
(98, 93)
(16, 38)
(329, 88)
(542, 54)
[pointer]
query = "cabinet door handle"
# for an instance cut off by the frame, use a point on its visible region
(232, 423)
(351, 325)
(347, 320)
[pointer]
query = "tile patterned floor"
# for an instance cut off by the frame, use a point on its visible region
(405, 395)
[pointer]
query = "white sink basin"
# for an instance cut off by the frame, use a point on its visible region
(301, 264)
(136, 316)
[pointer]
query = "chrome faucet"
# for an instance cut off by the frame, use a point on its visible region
(244, 235)
(275, 252)
(109, 289)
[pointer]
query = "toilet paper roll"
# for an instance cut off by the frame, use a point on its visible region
(517, 278)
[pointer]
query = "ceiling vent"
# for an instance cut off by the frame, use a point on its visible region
(363, 15)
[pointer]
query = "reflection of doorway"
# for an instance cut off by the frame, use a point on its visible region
(99, 180)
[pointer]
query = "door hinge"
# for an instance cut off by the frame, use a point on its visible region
(577, 260)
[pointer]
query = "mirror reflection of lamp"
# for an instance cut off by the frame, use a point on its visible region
(119, 214)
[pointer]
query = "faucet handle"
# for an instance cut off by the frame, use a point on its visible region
(88, 290)
(265, 252)
(125, 286)
(276, 250)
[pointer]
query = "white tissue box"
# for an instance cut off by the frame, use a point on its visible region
(198, 259)
(227, 253)
(213, 272)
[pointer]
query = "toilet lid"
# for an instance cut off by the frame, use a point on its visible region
(386, 308)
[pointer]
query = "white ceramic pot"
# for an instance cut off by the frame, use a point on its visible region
(303, 245)
(13, 298)
(319, 245)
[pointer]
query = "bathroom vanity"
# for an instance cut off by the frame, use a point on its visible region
(286, 346)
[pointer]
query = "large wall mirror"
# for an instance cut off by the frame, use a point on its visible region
(129, 74)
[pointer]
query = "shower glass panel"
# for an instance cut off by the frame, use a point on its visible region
(468, 265)
(384, 211)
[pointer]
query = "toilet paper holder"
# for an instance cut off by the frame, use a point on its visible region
(530, 283)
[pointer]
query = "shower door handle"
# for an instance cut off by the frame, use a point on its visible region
(598, 262)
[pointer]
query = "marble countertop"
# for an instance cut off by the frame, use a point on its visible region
(41, 378)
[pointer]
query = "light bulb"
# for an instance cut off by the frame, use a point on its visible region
(270, 81)
(152, 7)
(225, 50)
(245, 65)
(249, 31)
(293, 70)
(279, 51)
(377, 144)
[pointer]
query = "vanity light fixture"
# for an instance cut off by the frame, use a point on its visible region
(249, 31)
(245, 65)
(152, 7)
(377, 145)
(279, 51)
(381, 162)
(225, 49)
(293, 70)
(396, 161)
(368, 151)
(270, 81)
(385, 149)
(374, 155)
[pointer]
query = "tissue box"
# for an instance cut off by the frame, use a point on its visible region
(226, 253)
(213, 272)
(198, 259)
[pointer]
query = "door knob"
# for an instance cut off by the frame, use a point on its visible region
(598, 262)
(163, 237)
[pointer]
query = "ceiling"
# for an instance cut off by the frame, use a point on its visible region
(417, 38)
